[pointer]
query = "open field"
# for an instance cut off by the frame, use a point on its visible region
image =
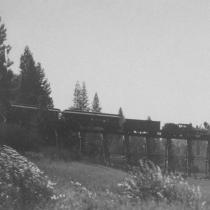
(98, 189)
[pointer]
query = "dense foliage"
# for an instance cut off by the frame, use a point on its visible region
(147, 182)
(6, 75)
(22, 184)
(34, 87)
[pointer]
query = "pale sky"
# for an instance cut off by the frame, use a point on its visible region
(151, 57)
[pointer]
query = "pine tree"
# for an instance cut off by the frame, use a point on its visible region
(84, 98)
(34, 88)
(6, 75)
(149, 118)
(120, 112)
(80, 100)
(96, 105)
(77, 97)
(44, 99)
(122, 117)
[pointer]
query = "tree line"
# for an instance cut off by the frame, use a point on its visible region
(31, 87)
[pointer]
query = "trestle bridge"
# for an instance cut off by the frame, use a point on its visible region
(103, 124)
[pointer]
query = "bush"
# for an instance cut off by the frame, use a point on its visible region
(19, 138)
(22, 184)
(147, 182)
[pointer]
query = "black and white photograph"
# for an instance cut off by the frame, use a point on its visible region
(104, 104)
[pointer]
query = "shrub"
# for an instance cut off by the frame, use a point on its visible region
(19, 138)
(22, 184)
(147, 182)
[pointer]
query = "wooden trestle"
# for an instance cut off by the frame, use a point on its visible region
(112, 124)
(105, 124)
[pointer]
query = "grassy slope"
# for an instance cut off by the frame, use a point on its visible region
(92, 176)
(99, 179)
(96, 178)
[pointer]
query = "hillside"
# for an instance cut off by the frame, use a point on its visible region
(90, 175)
(89, 186)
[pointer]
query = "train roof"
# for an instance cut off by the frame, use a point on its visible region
(73, 112)
(32, 107)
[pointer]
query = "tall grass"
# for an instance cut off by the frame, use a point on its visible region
(82, 186)
(147, 182)
(88, 186)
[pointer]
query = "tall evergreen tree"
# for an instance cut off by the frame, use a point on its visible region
(34, 88)
(44, 99)
(122, 117)
(80, 100)
(77, 97)
(96, 105)
(120, 112)
(6, 74)
(84, 98)
(149, 118)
